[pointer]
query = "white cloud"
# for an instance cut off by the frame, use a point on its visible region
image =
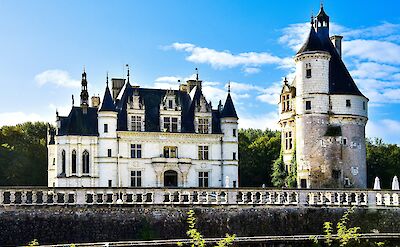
(264, 121)
(271, 94)
(60, 78)
(372, 50)
(387, 129)
(251, 70)
(226, 59)
(13, 118)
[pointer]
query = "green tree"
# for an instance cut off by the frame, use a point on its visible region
(23, 154)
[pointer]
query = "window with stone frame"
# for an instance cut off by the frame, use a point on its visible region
(203, 127)
(85, 162)
(136, 178)
(63, 162)
(308, 105)
(288, 140)
(136, 123)
(73, 162)
(203, 179)
(170, 124)
(170, 152)
(308, 70)
(203, 152)
(286, 105)
(136, 151)
(348, 103)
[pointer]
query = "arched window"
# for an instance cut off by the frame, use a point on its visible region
(73, 162)
(85, 162)
(63, 162)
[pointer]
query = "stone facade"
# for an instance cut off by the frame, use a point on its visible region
(323, 115)
(146, 138)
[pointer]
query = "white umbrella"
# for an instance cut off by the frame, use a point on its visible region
(377, 184)
(395, 183)
(227, 182)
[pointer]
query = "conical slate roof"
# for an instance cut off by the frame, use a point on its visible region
(108, 104)
(229, 108)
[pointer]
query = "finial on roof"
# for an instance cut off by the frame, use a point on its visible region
(107, 79)
(322, 4)
(73, 100)
(312, 18)
(127, 66)
(229, 87)
(285, 80)
(197, 74)
(56, 112)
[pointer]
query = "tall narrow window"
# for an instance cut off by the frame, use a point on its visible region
(136, 178)
(73, 162)
(308, 70)
(85, 162)
(203, 126)
(203, 152)
(170, 152)
(109, 152)
(308, 105)
(234, 156)
(170, 104)
(63, 162)
(136, 123)
(348, 103)
(136, 150)
(363, 105)
(105, 128)
(234, 132)
(286, 106)
(167, 124)
(203, 179)
(288, 140)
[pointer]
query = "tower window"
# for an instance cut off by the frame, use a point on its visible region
(109, 152)
(288, 140)
(234, 156)
(234, 132)
(63, 162)
(85, 162)
(363, 105)
(105, 128)
(308, 105)
(170, 104)
(73, 162)
(286, 106)
(308, 70)
(348, 103)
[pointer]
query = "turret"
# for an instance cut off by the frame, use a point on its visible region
(107, 115)
(230, 152)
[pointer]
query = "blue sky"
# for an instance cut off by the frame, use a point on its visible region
(45, 44)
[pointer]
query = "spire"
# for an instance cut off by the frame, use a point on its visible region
(108, 103)
(229, 109)
(197, 74)
(128, 76)
(84, 91)
(322, 22)
(229, 87)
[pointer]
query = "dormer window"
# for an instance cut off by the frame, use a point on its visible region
(170, 124)
(203, 126)
(136, 123)
(308, 70)
(286, 106)
(170, 104)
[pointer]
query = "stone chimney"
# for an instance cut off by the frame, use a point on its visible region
(95, 101)
(337, 42)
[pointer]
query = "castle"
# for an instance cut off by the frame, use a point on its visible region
(322, 115)
(144, 137)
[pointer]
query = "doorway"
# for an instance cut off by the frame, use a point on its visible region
(170, 178)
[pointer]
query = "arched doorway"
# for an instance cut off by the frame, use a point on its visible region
(170, 178)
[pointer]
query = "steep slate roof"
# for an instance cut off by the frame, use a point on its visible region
(152, 99)
(340, 80)
(78, 123)
(108, 103)
(229, 108)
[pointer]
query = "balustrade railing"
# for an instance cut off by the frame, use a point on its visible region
(24, 196)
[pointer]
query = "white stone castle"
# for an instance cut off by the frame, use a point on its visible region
(323, 115)
(143, 137)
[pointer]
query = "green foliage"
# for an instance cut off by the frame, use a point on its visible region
(279, 173)
(257, 151)
(34, 242)
(23, 154)
(383, 161)
(345, 235)
(196, 239)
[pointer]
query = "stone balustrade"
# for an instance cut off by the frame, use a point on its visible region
(14, 196)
